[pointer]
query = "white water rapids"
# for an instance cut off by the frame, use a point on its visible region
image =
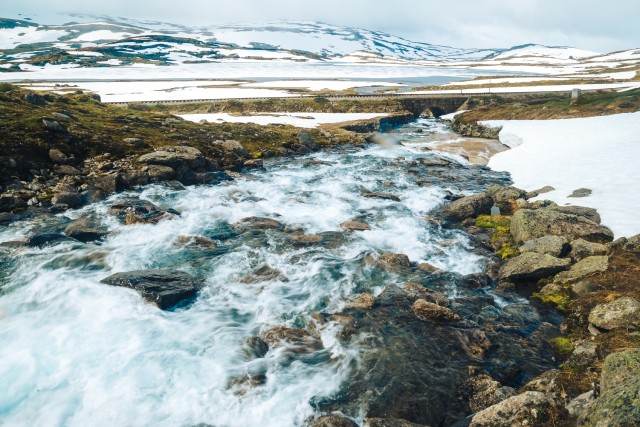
(76, 352)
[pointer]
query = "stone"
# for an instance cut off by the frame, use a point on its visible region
(58, 156)
(425, 267)
(34, 99)
(584, 353)
(383, 196)
(159, 172)
(355, 226)
(7, 162)
(297, 339)
(543, 190)
(301, 240)
(53, 126)
(588, 213)
(482, 391)
(195, 242)
(530, 408)
(333, 420)
(532, 266)
(256, 223)
(429, 311)
(468, 207)
(136, 211)
(164, 288)
(527, 224)
(633, 244)
(579, 404)
(11, 203)
(619, 401)
(306, 140)
(110, 183)
(389, 422)
(389, 261)
(253, 164)
(175, 157)
(67, 170)
(556, 246)
(584, 286)
(135, 142)
(72, 200)
(83, 230)
(581, 192)
(620, 313)
(263, 274)
(505, 197)
(418, 291)
(584, 268)
(255, 348)
(45, 238)
(580, 249)
(233, 146)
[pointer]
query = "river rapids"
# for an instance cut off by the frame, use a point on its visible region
(77, 352)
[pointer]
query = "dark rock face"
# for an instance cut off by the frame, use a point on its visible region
(468, 207)
(73, 200)
(411, 369)
(84, 231)
(11, 203)
(165, 288)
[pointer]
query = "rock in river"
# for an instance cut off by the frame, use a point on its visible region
(532, 266)
(468, 207)
(527, 224)
(165, 288)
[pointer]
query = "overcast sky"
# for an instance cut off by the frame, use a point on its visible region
(588, 24)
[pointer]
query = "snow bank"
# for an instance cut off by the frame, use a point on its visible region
(303, 120)
(598, 153)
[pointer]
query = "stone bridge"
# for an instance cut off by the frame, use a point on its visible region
(436, 106)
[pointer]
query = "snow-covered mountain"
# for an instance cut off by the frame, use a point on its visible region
(95, 42)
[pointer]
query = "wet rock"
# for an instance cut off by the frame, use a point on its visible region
(619, 401)
(333, 420)
(527, 224)
(583, 268)
(7, 218)
(253, 164)
(241, 385)
(10, 203)
(58, 157)
(468, 207)
(389, 422)
(256, 223)
(388, 261)
(7, 162)
(175, 157)
(195, 242)
(425, 267)
(136, 211)
(221, 230)
(417, 291)
(85, 230)
(296, 339)
(383, 196)
(429, 311)
(44, 239)
(363, 302)
(620, 313)
(581, 192)
(482, 391)
(262, 274)
(255, 348)
(165, 288)
(306, 140)
(301, 240)
(477, 280)
(73, 200)
(580, 249)
(355, 226)
(556, 246)
(159, 173)
(532, 266)
(530, 408)
(232, 146)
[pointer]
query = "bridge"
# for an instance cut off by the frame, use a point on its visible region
(437, 104)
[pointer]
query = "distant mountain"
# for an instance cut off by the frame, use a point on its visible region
(85, 41)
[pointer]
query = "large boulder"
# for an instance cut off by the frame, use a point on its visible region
(73, 200)
(532, 266)
(506, 197)
(9, 203)
(428, 311)
(556, 246)
(530, 408)
(256, 223)
(619, 401)
(468, 207)
(527, 224)
(580, 249)
(84, 230)
(584, 268)
(620, 313)
(175, 157)
(136, 211)
(482, 391)
(165, 288)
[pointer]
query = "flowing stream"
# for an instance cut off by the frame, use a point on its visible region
(76, 352)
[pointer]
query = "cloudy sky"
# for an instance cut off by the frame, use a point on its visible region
(588, 24)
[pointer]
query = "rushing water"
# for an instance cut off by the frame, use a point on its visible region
(77, 352)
